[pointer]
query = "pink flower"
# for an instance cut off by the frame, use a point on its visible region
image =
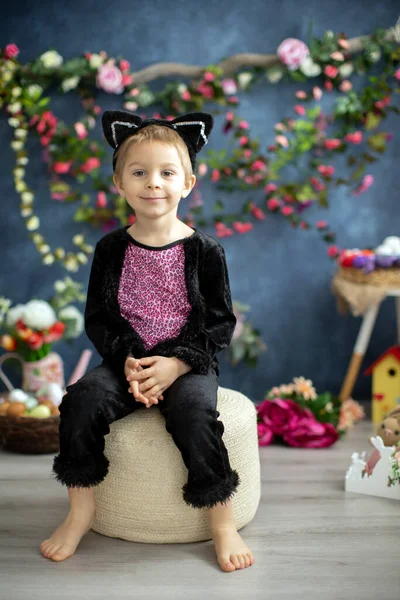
(333, 251)
(222, 230)
(287, 210)
(186, 95)
(124, 65)
(242, 227)
(322, 224)
(301, 95)
(317, 93)
(343, 44)
(345, 86)
(309, 433)
(59, 195)
(101, 201)
(209, 76)
(337, 56)
(215, 175)
(282, 140)
(367, 181)
(11, 51)
(243, 140)
(92, 163)
(328, 85)
(326, 170)
(280, 415)
(258, 165)
(243, 125)
(317, 184)
(270, 187)
(300, 109)
(131, 105)
(109, 79)
(62, 167)
(331, 71)
(80, 130)
(265, 434)
(354, 138)
(332, 144)
(127, 79)
(397, 74)
(206, 90)
(229, 86)
(202, 169)
(292, 52)
(258, 213)
(273, 204)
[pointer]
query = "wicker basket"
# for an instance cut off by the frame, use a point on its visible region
(29, 435)
(380, 277)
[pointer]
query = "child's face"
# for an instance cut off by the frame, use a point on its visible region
(153, 179)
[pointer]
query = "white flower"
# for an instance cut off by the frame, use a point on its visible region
(48, 259)
(44, 249)
(60, 286)
(27, 197)
(19, 173)
(13, 122)
(14, 108)
(78, 239)
(274, 74)
(181, 88)
(17, 145)
(346, 69)
(375, 55)
(16, 92)
(82, 258)
(95, 61)
(38, 314)
(73, 320)
(23, 160)
(14, 314)
(51, 59)
(71, 264)
(21, 133)
(20, 186)
(70, 83)
(309, 67)
(32, 223)
(26, 211)
(34, 91)
(244, 79)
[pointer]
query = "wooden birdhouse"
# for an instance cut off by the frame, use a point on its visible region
(385, 373)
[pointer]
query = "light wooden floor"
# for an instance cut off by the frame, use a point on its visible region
(310, 539)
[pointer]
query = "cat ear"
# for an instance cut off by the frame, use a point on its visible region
(118, 125)
(196, 127)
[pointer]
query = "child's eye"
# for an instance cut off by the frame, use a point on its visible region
(164, 172)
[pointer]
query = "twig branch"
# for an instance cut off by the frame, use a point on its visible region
(233, 63)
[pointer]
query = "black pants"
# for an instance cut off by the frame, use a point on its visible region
(101, 397)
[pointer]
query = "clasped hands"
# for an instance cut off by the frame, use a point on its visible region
(149, 377)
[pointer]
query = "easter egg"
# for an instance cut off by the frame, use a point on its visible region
(4, 408)
(54, 411)
(17, 395)
(40, 412)
(31, 403)
(48, 403)
(16, 409)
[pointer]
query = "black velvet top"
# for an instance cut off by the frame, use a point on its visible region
(211, 321)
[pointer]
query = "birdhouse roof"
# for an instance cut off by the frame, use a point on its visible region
(394, 351)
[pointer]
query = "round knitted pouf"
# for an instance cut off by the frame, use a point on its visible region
(140, 499)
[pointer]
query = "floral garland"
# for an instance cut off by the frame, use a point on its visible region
(294, 414)
(70, 152)
(395, 466)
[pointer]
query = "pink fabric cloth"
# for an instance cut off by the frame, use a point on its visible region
(152, 292)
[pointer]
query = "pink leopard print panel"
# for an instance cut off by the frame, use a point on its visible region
(152, 292)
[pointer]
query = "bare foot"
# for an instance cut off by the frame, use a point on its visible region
(64, 541)
(232, 552)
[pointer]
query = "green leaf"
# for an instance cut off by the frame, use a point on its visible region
(372, 121)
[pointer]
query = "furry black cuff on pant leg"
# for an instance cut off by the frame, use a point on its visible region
(76, 474)
(209, 497)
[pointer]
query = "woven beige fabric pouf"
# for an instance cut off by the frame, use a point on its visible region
(141, 500)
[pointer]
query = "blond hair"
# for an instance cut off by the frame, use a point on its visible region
(157, 133)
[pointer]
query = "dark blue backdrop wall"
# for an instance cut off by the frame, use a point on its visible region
(283, 274)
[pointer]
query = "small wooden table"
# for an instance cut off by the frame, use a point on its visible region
(362, 341)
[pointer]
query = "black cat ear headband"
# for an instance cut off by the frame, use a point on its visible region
(193, 128)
